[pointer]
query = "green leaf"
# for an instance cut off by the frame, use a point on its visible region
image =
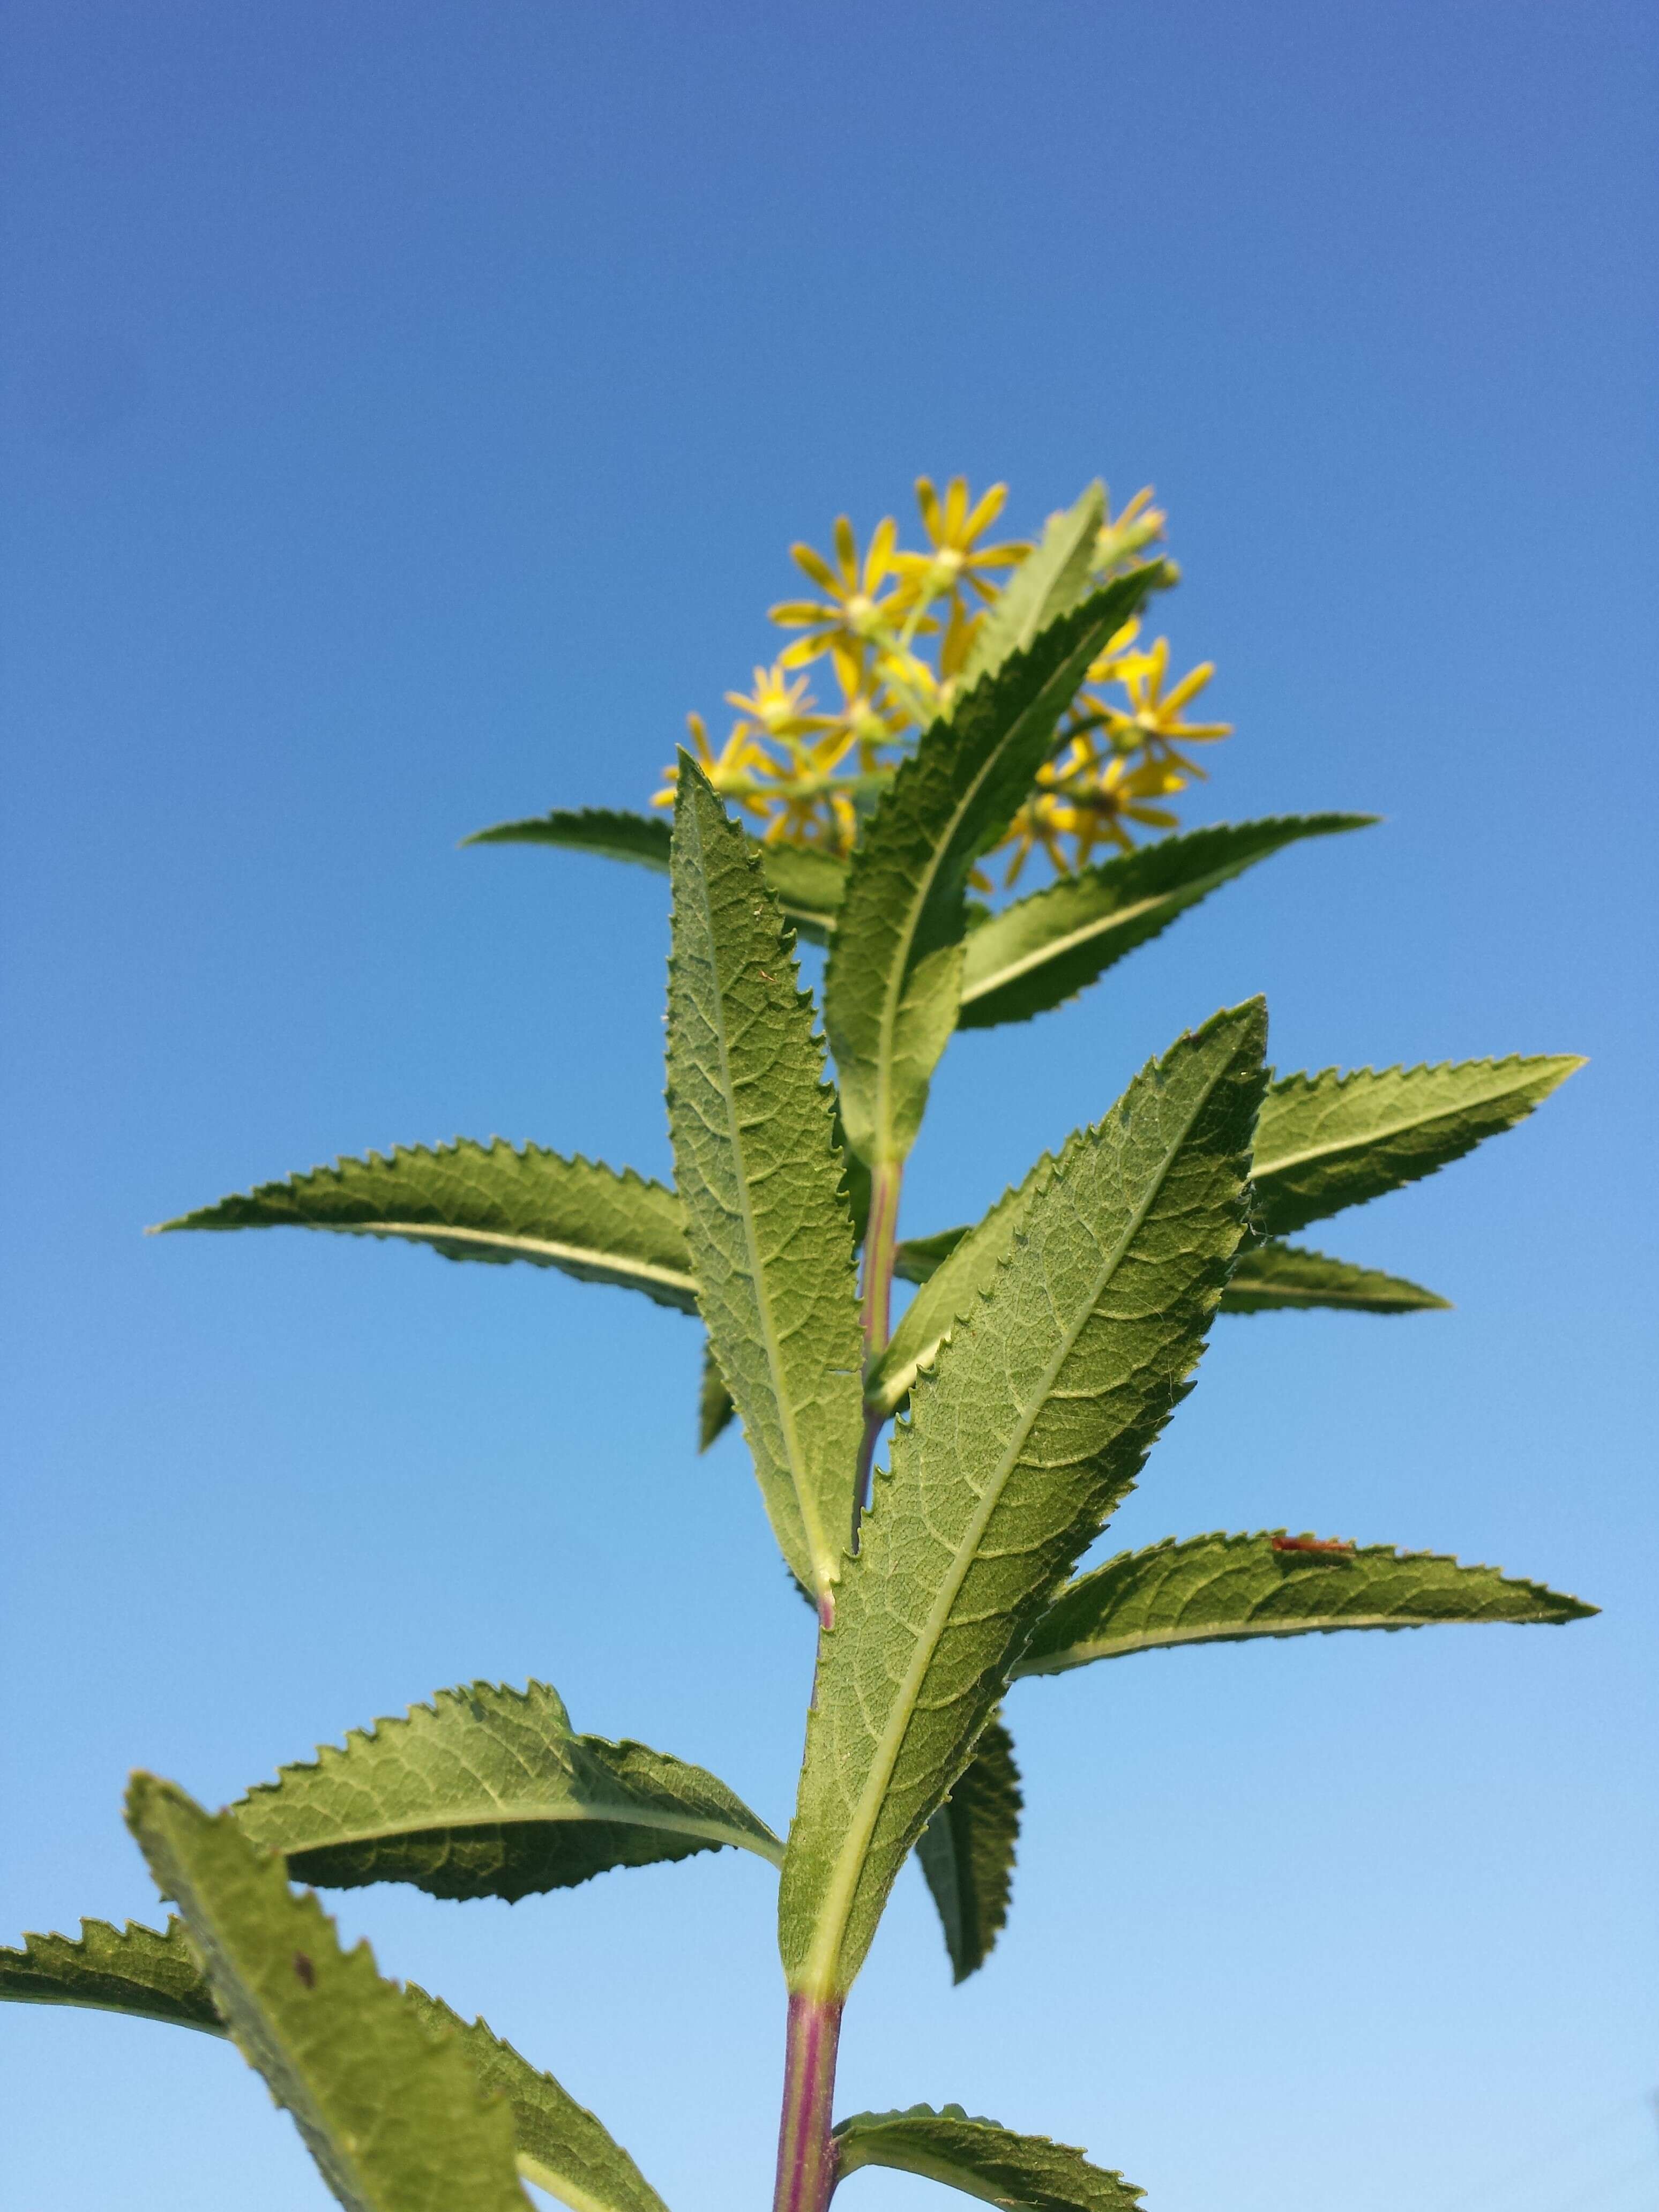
(894, 967)
(1026, 2172)
(955, 1269)
(757, 1167)
(560, 2145)
(714, 1407)
(1217, 1590)
(1044, 950)
(610, 832)
(917, 1259)
(1329, 1141)
(1274, 1277)
(967, 1850)
(810, 885)
(488, 1792)
(133, 1970)
(393, 2118)
(1032, 1428)
(474, 1201)
(1050, 582)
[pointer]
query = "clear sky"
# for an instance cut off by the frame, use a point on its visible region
(407, 409)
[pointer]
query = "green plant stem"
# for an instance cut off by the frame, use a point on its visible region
(806, 2150)
(880, 1243)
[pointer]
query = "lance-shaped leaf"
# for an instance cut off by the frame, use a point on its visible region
(955, 1269)
(714, 1407)
(1053, 578)
(1026, 2172)
(1275, 1277)
(490, 1202)
(896, 965)
(488, 1792)
(559, 2144)
(809, 885)
(142, 1971)
(1044, 950)
(967, 1850)
(394, 2117)
(761, 1179)
(149, 1975)
(1021, 1440)
(1329, 1141)
(1217, 1590)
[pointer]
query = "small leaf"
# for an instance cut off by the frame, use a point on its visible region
(489, 1203)
(917, 1259)
(714, 1407)
(393, 2119)
(486, 1792)
(1026, 2172)
(1273, 1277)
(559, 2144)
(895, 968)
(756, 1166)
(967, 1850)
(1029, 1430)
(133, 1970)
(955, 1269)
(1052, 579)
(809, 885)
(1329, 1141)
(1045, 948)
(1217, 1590)
(609, 832)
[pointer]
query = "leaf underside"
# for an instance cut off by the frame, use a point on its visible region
(1220, 1588)
(761, 1179)
(715, 1411)
(967, 1850)
(490, 1202)
(1275, 1277)
(1329, 1141)
(393, 2118)
(1042, 951)
(1027, 2173)
(892, 986)
(149, 1975)
(488, 1792)
(1028, 1432)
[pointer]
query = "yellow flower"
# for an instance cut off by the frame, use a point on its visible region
(955, 560)
(780, 707)
(852, 611)
(1121, 539)
(1154, 716)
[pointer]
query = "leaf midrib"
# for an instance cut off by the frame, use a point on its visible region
(587, 1255)
(514, 1811)
(891, 1742)
(1378, 1133)
(1056, 948)
(1117, 1647)
(820, 1555)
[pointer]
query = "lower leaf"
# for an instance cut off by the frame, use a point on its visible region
(1027, 2172)
(967, 1850)
(1274, 1278)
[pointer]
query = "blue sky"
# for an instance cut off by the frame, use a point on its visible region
(406, 411)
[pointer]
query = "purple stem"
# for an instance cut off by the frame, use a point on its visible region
(806, 2150)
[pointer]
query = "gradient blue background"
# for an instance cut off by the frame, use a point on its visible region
(406, 411)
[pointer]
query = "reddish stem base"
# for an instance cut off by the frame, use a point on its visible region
(806, 2150)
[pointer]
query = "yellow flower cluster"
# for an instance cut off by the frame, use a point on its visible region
(897, 628)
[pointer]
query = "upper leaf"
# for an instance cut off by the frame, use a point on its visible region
(1044, 950)
(1215, 1590)
(967, 1850)
(894, 967)
(1055, 575)
(1329, 1141)
(955, 1270)
(394, 2117)
(760, 1178)
(1020, 1442)
(810, 885)
(1026, 2172)
(132, 1969)
(1273, 1277)
(560, 2145)
(474, 1201)
(488, 1792)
